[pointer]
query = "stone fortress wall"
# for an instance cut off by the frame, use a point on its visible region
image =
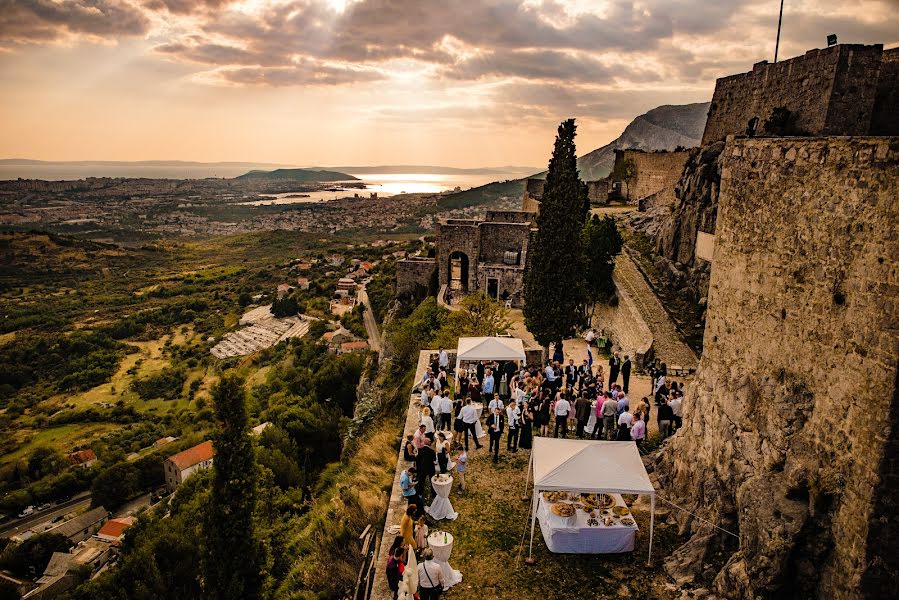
(413, 274)
(488, 246)
(829, 91)
(788, 437)
(655, 174)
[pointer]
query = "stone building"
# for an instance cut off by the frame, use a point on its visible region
(413, 276)
(179, 467)
(533, 193)
(654, 175)
(488, 256)
(847, 89)
(792, 426)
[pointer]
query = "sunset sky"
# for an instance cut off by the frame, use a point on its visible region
(336, 82)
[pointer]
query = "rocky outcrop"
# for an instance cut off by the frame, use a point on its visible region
(790, 432)
(662, 128)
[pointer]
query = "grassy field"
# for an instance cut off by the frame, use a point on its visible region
(492, 542)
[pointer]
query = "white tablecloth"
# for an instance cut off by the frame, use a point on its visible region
(441, 508)
(573, 535)
(442, 551)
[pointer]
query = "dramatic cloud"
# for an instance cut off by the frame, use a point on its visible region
(48, 20)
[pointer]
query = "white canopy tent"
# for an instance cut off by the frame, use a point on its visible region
(489, 348)
(588, 466)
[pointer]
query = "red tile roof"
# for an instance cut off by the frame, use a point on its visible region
(354, 346)
(193, 456)
(115, 527)
(82, 456)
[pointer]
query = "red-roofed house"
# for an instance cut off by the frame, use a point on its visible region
(184, 464)
(353, 347)
(114, 529)
(83, 458)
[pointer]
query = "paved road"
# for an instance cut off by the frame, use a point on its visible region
(17, 525)
(371, 325)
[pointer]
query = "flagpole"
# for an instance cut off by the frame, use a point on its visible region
(779, 20)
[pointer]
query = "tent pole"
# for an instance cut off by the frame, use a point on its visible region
(527, 478)
(530, 559)
(652, 522)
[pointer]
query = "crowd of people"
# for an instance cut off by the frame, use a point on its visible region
(521, 402)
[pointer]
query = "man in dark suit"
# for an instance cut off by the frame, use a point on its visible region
(614, 368)
(425, 469)
(570, 374)
(495, 425)
(626, 372)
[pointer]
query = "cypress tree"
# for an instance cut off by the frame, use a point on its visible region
(233, 556)
(554, 289)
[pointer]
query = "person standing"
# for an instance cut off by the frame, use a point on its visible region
(425, 467)
(513, 418)
(462, 384)
(609, 412)
(446, 413)
(430, 576)
(528, 417)
(442, 359)
(563, 407)
(495, 425)
(462, 468)
(488, 386)
(479, 370)
(407, 485)
(582, 407)
(665, 416)
(591, 335)
(407, 525)
(469, 417)
(395, 568)
(570, 375)
(614, 367)
(442, 452)
(543, 413)
(626, 372)
(638, 431)
(676, 408)
(428, 421)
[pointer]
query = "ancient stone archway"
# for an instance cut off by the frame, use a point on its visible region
(458, 272)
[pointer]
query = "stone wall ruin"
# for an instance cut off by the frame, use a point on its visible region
(790, 427)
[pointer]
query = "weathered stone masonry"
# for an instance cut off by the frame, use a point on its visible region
(790, 432)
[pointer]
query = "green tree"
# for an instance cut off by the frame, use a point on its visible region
(285, 307)
(479, 315)
(30, 558)
(624, 170)
(554, 290)
(602, 243)
(233, 558)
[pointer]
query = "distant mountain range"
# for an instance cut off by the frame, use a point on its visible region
(298, 175)
(662, 128)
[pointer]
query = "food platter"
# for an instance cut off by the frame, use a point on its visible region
(562, 509)
(597, 500)
(620, 511)
(555, 496)
(628, 522)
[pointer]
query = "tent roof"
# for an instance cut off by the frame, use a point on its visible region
(487, 348)
(589, 466)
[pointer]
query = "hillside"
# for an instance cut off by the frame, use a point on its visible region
(662, 128)
(298, 175)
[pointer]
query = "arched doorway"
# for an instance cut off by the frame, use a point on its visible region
(458, 272)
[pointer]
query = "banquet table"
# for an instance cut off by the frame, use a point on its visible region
(441, 543)
(573, 535)
(441, 507)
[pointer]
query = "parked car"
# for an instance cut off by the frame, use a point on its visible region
(25, 512)
(44, 506)
(57, 518)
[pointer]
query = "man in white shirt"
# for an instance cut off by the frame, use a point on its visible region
(513, 419)
(430, 576)
(446, 413)
(563, 407)
(443, 359)
(469, 417)
(676, 405)
(626, 417)
(609, 411)
(494, 404)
